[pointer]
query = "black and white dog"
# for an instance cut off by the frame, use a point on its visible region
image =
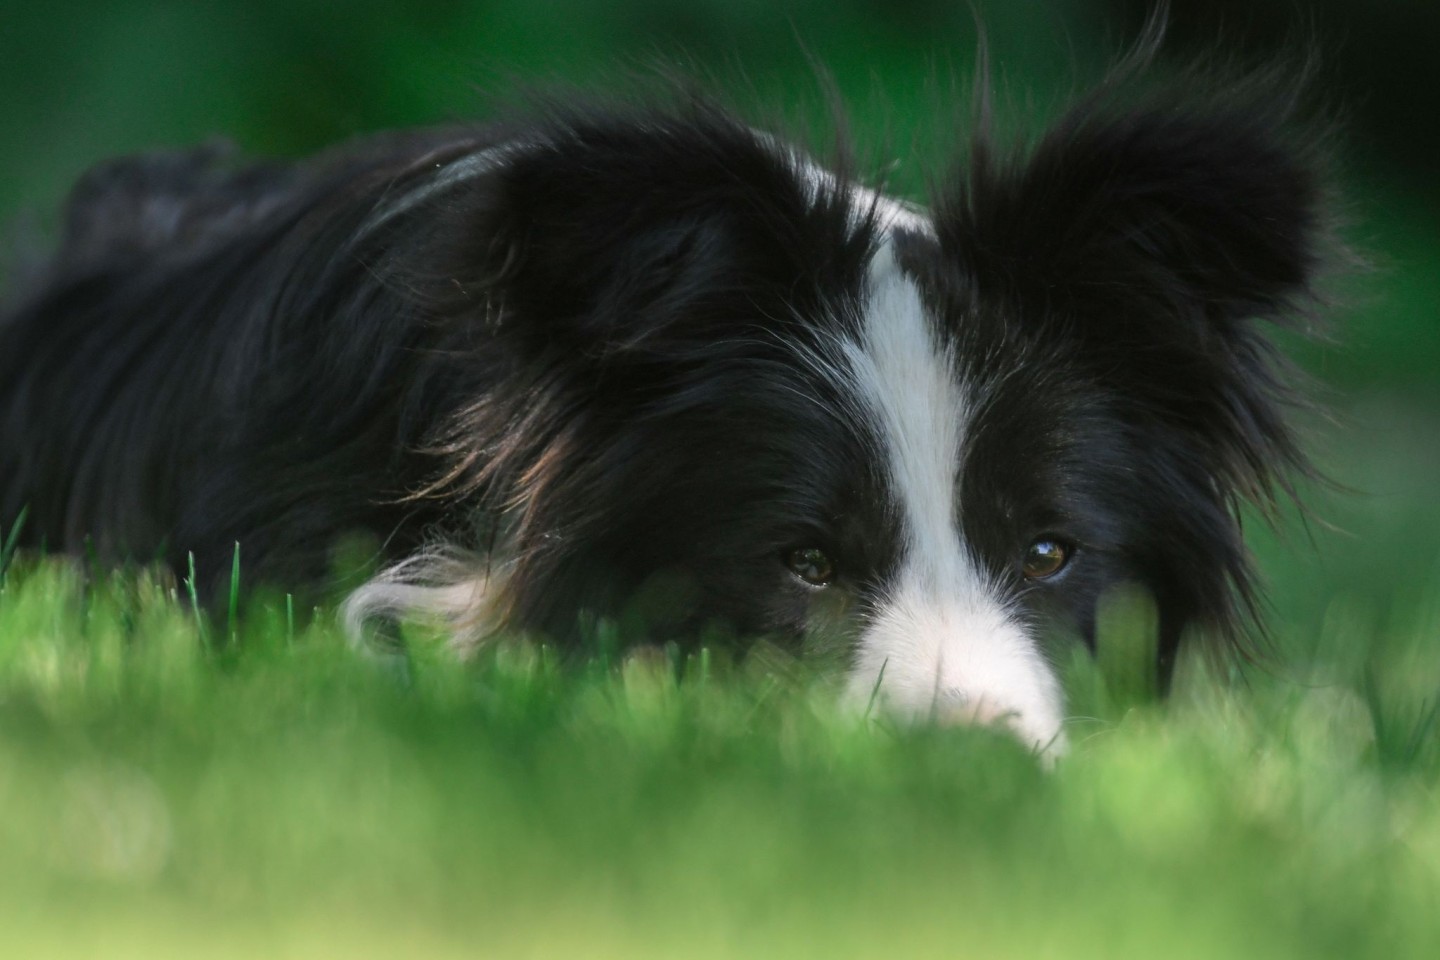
(656, 357)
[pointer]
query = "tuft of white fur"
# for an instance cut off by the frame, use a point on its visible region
(888, 212)
(943, 642)
(457, 591)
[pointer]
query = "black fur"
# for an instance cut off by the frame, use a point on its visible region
(587, 355)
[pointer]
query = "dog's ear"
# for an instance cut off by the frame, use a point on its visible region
(621, 236)
(1156, 239)
(1218, 203)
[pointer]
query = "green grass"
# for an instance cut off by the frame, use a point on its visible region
(283, 795)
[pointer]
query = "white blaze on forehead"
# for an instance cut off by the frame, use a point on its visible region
(941, 639)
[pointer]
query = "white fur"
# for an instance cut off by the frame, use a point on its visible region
(889, 213)
(943, 642)
(455, 591)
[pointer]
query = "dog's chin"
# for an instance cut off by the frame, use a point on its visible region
(1040, 730)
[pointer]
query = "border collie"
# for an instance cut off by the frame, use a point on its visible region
(654, 359)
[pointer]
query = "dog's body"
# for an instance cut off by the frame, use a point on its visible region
(566, 369)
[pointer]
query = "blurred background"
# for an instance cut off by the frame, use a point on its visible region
(81, 80)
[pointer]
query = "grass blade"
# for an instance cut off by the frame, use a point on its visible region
(193, 591)
(12, 542)
(233, 614)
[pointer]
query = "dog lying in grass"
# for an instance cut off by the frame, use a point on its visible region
(650, 355)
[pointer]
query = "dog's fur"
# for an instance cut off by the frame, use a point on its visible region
(634, 359)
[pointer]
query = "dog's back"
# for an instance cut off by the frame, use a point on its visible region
(148, 368)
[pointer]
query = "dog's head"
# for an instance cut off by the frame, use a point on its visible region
(738, 389)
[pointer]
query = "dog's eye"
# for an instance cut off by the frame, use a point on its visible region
(1044, 558)
(811, 565)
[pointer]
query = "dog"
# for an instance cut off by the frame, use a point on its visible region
(652, 358)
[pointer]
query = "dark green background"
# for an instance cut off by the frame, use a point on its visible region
(80, 81)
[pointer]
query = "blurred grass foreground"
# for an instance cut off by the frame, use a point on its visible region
(277, 793)
(167, 789)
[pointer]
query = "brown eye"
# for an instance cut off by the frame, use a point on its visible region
(1044, 558)
(811, 565)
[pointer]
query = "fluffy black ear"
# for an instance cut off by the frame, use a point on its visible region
(1157, 237)
(1191, 201)
(628, 233)
(608, 251)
